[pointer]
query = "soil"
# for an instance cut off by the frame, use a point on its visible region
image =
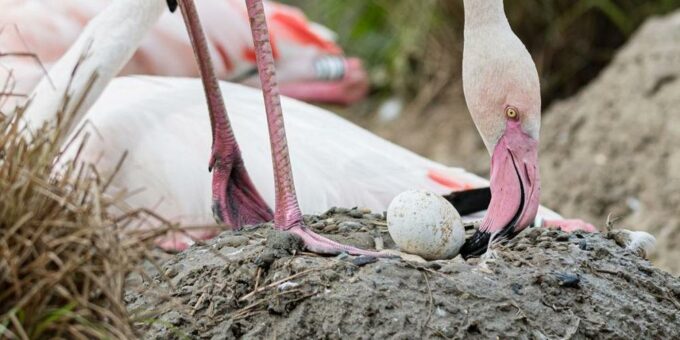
(610, 151)
(615, 145)
(544, 284)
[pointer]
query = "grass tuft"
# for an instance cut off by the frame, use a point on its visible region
(63, 259)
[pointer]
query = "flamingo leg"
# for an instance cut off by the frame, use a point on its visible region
(236, 201)
(287, 215)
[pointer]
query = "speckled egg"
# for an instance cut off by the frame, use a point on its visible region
(425, 224)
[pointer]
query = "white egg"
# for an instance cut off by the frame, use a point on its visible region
(425, 224)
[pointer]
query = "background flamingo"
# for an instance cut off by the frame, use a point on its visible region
(312, 66)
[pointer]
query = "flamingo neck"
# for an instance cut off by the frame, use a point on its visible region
(484, 12)
(101, 51)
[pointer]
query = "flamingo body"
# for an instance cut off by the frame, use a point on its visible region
(161, 123)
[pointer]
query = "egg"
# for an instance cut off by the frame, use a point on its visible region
(425, 224)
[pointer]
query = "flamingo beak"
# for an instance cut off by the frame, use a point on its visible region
(172, 5)
(515, 190)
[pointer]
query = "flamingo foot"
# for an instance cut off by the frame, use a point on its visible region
(570, 226)
(321, 245)
(236, 201)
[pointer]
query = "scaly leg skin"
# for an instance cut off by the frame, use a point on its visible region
(570, 225)
(236, 202)
(287, 215)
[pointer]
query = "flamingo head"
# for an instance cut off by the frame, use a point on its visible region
(502, 92)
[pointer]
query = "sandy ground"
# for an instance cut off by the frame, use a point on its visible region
(612, 149)
(544, 284)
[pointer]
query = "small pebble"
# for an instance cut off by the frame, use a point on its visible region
(534, 233)
(265, 259)
(330, 228)
(355, 214)
(171, 272)
(235, 241)
(583, 244)
(561, 247)
(317, 225)
(545, 245)
(553, 233)
(349, 226)
(601, 253)
(364, 260)
(568, 280)
(434, 265)
(562, 238)
(516, 288)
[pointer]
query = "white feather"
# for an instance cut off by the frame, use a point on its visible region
(640, 242)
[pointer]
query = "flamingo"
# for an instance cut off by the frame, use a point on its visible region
(160, 123)
(312, 66)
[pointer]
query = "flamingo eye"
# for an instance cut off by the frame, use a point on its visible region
(511, 112)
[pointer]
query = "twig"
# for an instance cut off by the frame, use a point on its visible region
(610, 221)
(257, 277)
(276, 283)
(238, 314)
(430, 303)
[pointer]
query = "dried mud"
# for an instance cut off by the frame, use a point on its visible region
(613, 148)
(544, 284)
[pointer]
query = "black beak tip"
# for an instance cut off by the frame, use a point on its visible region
(476, 245)
(172, 5)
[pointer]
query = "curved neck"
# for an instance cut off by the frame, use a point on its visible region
(484, 12)
(101, 51)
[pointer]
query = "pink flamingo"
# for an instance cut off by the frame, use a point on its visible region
(159, 123)
(312, 66)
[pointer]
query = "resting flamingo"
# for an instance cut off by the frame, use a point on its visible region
(312, 66)
(160, 122)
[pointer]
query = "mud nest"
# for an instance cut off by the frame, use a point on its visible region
(543, 284)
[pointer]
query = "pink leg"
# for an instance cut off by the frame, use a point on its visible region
(570, 225)
(287, 215)
(236, 202)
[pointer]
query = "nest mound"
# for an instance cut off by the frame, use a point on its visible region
(612, 149)
(542, 284)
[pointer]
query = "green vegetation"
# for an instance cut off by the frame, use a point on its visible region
(408, 44)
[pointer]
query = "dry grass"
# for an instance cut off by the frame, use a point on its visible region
(63, 259)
